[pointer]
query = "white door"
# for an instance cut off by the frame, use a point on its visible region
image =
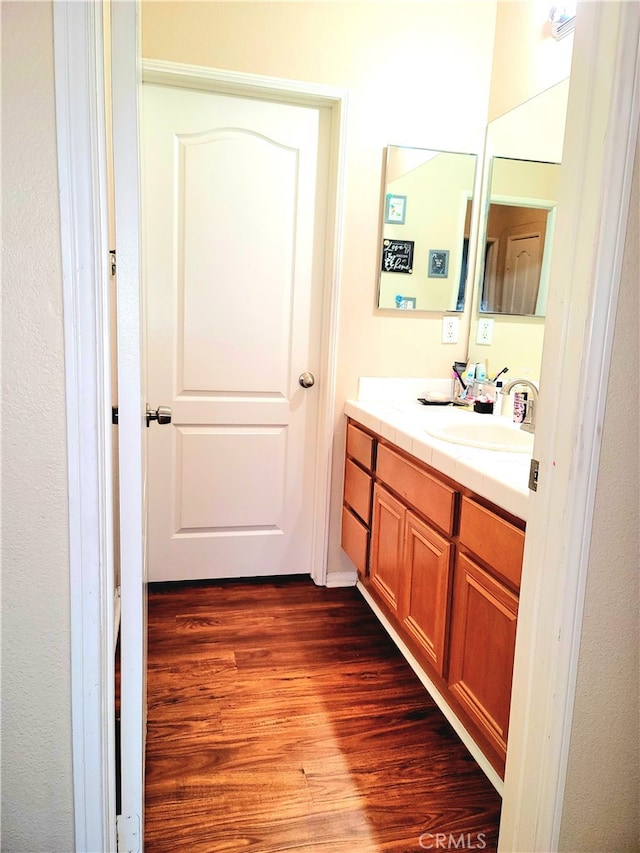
(234, 209)
(522, 274)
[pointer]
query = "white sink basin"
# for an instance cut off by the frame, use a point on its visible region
(485, 433)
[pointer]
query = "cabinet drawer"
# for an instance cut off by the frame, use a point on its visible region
(357, 490)
(430, 496)
(355, 541)
(495, 541)
(360, 446)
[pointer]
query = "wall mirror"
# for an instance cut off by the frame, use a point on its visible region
(522, 161)
(426, 224)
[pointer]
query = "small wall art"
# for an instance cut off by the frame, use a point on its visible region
(406, 303)
(395, 209)
(397, 256)
(438, 263)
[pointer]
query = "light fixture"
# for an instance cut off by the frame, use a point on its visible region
(563, 19)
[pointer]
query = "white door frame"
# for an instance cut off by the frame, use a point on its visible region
(307, 94)
(125, 74)
(593, 206)
(537, 761)
(82, 176)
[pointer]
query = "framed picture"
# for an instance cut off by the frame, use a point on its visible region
(395, 209)
(438, 263)
(397, 256)
(405, 302)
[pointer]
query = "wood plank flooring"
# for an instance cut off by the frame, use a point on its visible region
(282, 717)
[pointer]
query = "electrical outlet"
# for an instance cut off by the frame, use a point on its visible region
(450, 330)
(485, 331)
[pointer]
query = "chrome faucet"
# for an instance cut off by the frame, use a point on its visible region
(529, 422)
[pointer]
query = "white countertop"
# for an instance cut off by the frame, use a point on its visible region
(500, 477)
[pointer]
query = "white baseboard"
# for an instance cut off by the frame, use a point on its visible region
(335, 579)
(437, 697)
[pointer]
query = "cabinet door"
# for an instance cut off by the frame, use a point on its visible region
(483, 634)
(387, 531)
(425, 588)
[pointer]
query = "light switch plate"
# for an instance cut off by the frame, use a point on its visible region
(485, 331)
(450, 330)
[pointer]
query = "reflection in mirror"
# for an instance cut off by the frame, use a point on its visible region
(519, 234)
(425, 232)
(524, 149)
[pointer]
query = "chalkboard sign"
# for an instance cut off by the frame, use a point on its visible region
(397, 256)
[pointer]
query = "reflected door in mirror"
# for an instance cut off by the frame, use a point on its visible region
(513, 259)
(518, 237)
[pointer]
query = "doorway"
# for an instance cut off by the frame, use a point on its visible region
(540, 814)
(328, 106)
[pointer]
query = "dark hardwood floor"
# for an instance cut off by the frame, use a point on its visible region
(282, 717)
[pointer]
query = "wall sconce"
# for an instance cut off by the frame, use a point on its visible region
(562, 19)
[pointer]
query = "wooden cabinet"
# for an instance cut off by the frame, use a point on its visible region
(494, 540)
(483, 636)
(417, 587)
(387, 536)
(483, 623)
(355, 541)
(358, 493)
(425, 588)
(444, 566)
(429, 495)
(360, 446)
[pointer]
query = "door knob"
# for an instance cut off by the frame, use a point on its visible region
(306, 379)
(162, 414)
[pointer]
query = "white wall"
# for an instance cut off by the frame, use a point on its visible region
(527, 58)
(37, 806)
(527, 62)
(602, 797)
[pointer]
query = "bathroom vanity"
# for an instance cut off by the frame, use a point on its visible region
(436, 531)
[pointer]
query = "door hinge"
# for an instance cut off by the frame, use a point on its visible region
(112, 259)
(128, 833)
(114, 415)
(533, 475)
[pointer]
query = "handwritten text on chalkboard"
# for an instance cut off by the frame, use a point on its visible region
(397, 256)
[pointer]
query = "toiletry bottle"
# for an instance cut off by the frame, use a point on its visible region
(519, 406)
(470, 375)
(481, 371)
(497, 405)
